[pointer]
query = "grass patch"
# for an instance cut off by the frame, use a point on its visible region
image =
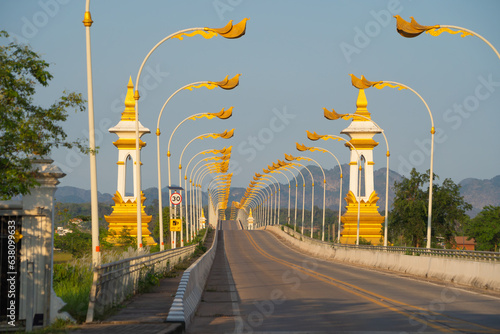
(62, 257)
(58, 327)
(72, 282)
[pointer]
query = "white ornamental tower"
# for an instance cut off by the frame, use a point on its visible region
(124, 215)
(361, 132)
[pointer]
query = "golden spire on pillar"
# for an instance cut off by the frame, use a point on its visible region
(129, 113)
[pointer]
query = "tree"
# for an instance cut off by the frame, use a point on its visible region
(448, 211)
(26, 129)
(77, 243)
(166, 227)
(408, 219)
(485, 229)
(409, 215)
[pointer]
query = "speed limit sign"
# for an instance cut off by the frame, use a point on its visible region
(176, 199)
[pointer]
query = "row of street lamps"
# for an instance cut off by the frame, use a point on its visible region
(406, 29)
(255, 194)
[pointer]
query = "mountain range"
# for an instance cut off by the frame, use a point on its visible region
(478, 193)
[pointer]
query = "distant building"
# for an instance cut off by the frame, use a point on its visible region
(76, 221)
(464, 244)
(63, 231)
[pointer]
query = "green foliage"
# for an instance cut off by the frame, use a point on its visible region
(448, 210)
(126, 240)
(409, 215)
(72, 282)
(408, 219)
(77, 243)
(485, 229)
(149, 279)
(166, 227)
(26, 129)
(103, 239)
(363, 241)
(66, 211)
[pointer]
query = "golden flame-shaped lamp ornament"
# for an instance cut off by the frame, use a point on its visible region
(411, 29)
(362, 83)
(224, 113)
(333, 115)
(313, 136)
(227, 134)
(301, 147)
(231, 31)
(227, 83)
(282, 163)
(226, 150)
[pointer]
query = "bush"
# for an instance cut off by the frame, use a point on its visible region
(363, 241)
(72, 282)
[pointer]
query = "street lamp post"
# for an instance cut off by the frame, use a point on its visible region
(277, 199)
(284, 166)
(315, 136)
(226, 84)
(214, 151)
(302, 147)
(223, 114)
(362, 83)
(276, 170)
(225, 135)
(291, 158)
(96, 254)
(229, 31)
(303, 196)
(291, 165)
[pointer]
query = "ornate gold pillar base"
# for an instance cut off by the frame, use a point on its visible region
(370, 221)
(124, 216)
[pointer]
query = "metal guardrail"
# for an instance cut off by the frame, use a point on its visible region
(415, 251)
(191, 287)
(114, 281)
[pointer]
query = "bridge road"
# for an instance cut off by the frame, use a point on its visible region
(263, 286)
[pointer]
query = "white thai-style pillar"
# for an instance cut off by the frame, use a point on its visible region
(250, 221)
(124, 215)
(361, 132)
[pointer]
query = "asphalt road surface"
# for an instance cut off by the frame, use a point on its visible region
(260, 285)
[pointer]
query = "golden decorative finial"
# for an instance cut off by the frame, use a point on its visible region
(250, 214)
(87, 20)
(129, 113)
(361, 104)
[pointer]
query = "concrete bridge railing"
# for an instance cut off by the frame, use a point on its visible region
(114, 281)
(469, 268)
(191, 287)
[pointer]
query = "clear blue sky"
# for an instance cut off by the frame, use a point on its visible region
(295, 59)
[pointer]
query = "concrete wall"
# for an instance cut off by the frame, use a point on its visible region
(38, 304)
(242, 217)
(479, 274)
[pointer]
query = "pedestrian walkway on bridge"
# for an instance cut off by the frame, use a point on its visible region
(144, 313)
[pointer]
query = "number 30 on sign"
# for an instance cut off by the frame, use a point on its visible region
(175, 198)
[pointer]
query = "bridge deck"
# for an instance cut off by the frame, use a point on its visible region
(259, 285)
